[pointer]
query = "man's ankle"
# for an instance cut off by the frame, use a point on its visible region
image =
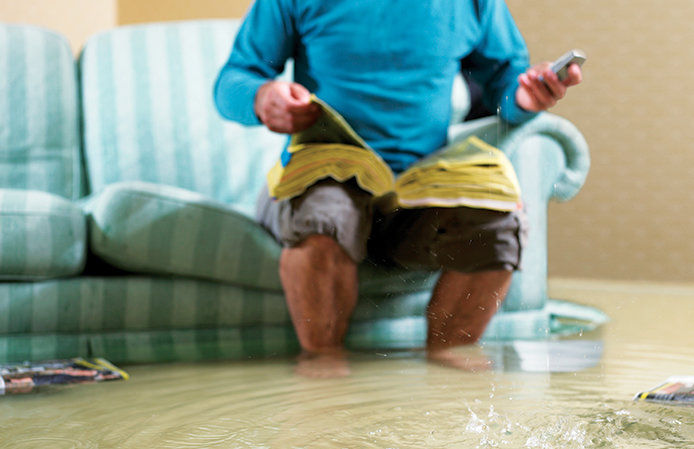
(321, 351)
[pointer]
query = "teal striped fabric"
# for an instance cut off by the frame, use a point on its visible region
(149, 113)
(150, 228)
(147, 319)
(138, 303)
(201, 344)
(41, 236)
(39, 116)
(94, 305)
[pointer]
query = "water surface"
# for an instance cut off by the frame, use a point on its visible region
(574, 393)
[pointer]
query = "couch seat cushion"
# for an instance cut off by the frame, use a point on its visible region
(152, 228)
(42, 236)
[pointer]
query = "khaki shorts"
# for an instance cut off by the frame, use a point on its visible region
(462, 238)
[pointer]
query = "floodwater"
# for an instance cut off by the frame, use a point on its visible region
(573, 393)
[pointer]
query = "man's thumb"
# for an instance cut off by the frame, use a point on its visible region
(300, 93)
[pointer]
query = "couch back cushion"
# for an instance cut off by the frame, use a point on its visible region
(39, 114)
(149, 113)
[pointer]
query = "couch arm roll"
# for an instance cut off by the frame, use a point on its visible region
(508, 138)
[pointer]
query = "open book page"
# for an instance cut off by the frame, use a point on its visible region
(469, 173)
(328, 148)
(472, 151)
(313, 162)
(330, 127)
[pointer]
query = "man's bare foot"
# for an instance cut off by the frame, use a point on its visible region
(326, 365)
(464, 358)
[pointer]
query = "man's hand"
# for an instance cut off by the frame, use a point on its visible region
(285, 107)
(535, 95)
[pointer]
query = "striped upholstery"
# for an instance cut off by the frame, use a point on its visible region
(144, 319)
(139, 303)
(42, 235)
(150, 228)
(149, 113)
(39, 117)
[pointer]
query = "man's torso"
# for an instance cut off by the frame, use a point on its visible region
(398, 57)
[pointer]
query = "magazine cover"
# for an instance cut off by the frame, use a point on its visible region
(675, 390)
(28, 376)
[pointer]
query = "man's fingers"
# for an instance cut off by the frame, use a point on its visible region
(285, 107)
(539, 90)
(296, 99)
(304, 109)
(575, 75)
(300, 94)
(556, 88)
(299, 119)
(289, 94)
(285, 122)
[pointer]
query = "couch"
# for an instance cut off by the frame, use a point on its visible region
(125, 205)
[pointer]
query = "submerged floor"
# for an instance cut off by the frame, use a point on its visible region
(574, 393)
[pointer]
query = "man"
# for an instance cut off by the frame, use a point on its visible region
(387, 66)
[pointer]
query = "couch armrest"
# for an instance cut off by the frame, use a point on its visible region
(508, 138)
(551, 160)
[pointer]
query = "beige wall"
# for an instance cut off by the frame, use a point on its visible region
(136, 11)
(634, 217)
(632, 220)
(76, 19)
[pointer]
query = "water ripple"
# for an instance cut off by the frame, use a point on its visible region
(401, 402)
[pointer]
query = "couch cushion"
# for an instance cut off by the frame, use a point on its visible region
(39, 126)
(153, 228)
(147, 319)
(91, 304)
(43, 236)
(160, 229)
(149, 113)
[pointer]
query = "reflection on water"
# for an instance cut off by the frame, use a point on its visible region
(567, 394)
(560, 356)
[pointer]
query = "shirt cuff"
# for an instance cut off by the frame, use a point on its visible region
(236, 100)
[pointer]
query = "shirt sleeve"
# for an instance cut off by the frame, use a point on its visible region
(262, 46)
(500, 56)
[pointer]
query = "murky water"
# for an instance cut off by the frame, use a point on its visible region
(574, 393)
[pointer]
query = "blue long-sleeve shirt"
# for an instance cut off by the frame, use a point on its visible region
(386, 65)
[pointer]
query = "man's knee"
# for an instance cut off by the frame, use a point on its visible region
(328, 208)
(321, 251)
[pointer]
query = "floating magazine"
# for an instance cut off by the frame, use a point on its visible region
(26, 377)
(675, 390)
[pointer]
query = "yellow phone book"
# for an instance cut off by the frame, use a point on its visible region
(469, 173)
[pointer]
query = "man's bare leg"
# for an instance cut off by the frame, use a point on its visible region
(461, 306)
(320, 284)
